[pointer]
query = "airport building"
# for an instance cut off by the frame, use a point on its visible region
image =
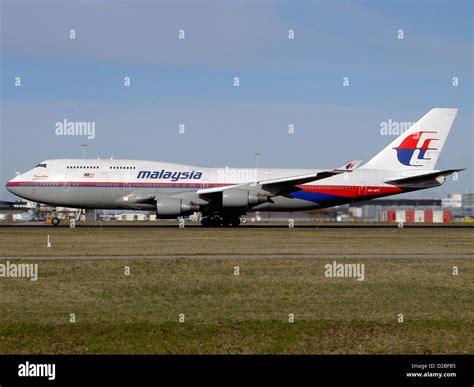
(453, 200)
(454, 207)
(17, 211)
(416, 216)
(468, 201)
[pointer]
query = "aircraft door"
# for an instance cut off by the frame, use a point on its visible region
(103, 178)
(363, 189)
(126, 181)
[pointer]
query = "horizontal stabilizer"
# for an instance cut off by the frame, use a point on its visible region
(430, 179)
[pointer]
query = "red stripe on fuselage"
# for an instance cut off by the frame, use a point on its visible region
(351, 191)
(347, 191)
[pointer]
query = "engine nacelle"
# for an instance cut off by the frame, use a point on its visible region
(240, 198)
(139, 199)
(171, 207)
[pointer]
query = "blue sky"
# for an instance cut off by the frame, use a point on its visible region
(190, 81)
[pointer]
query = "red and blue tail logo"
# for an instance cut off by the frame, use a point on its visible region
(409, 145)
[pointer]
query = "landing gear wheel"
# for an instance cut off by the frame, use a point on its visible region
(206, 222)
(217, 221)
(55, 221)
(235, 222)
(231, 221)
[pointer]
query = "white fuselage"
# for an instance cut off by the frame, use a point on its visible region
(108, 184)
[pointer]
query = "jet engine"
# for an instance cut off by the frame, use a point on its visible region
(240, 198)
(173, 207)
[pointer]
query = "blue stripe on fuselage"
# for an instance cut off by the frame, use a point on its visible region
(316, 197)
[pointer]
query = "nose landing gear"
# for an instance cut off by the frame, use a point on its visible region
(54, 219)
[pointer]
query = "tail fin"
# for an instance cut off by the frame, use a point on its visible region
(419, 147)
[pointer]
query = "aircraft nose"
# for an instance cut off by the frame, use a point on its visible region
(12, 185)
(9, 186)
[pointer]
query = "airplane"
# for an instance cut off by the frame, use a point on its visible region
(223, 195)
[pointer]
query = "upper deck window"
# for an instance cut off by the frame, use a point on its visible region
(41, 165)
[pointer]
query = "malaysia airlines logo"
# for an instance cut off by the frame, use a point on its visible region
(173, 176)
(416, 144)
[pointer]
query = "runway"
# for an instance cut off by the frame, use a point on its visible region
(135, 225)
(235, 257)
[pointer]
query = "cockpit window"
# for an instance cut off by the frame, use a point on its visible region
(41, 165)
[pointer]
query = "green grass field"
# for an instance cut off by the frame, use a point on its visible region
(249, 241)
(248, 313)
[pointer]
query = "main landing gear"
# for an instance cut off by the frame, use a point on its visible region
(221, 221)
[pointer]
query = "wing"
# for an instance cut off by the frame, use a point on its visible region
(275, 187)
(259, 189)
